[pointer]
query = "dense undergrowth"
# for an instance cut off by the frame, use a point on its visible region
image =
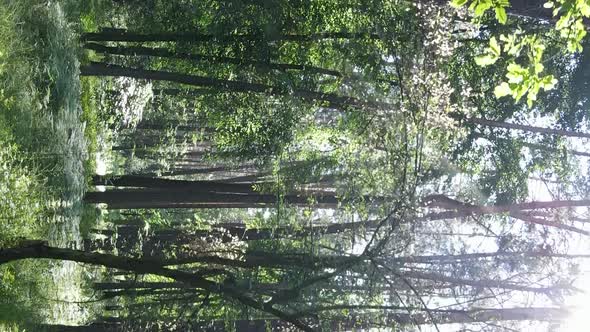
(46, 137)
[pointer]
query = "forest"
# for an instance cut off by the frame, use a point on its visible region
(294, 165)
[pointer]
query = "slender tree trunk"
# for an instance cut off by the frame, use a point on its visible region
(137, 285)
(203, 170)
(167, 125)
(170, 184)
(532, 129)
(483, 283)
(136, 293)
(165, 53)
(537, 146)
(248, 178)
(193, 36)
(156, 198)
(241, 325)
(241, 233)
(518, 210)
(103, 69)
(181, 92)
(437, 259)
(93, 327)
(491, 315)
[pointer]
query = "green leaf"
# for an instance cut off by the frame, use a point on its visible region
(515, 49)
(548, 4)
(515, 68)
(515, 78)
(501, 15)
(495, 47)
(458, 3)
(532, 96)
(563, 22)
(518, 91)
(481, 8)
(502, 90)
(548, 82)
(485, 60)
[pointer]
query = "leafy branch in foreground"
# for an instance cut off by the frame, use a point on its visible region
(525, 77)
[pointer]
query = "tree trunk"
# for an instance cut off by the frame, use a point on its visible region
(156, 198)
(532, 129)
(137, 285)
(165, 53)
(94, 327)
(203, 170)
(241, 233)
(483, 283)
(437, 259)
(103, 69)
(170, 184)
(518, 210)
(420, 316)
(120, 35)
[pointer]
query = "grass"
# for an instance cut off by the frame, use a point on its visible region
(91, 118)
(48, 130)
(22, 101)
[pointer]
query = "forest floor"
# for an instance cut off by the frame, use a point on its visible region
(47, 138)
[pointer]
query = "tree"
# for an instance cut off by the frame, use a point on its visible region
(40, 250)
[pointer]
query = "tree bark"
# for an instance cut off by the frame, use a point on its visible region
(165, 53)
(137, 285)
(103, 69)
(156, 198)
(483, 283)
(532, 129)
(172, 184)
(241, 233)
(437, 259)
(518, 210)
(203, 170)
(420, 316)
(120, 35)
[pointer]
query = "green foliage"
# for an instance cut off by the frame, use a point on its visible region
(571, 21)
(507, 183)
(373, 159)
(22, 197)
(521, 81)
(479, 7)
(91, 117)
(11, 286)
(492, 54)
(528, 80)
(253, 127)
(22, 184)
(92, 13)
(43, 146)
